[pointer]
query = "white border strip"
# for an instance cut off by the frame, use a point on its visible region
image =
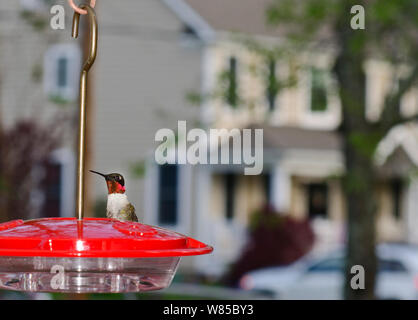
(192, 18)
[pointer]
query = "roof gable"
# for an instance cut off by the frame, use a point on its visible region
(403, 136)
(191, 18)
(241, 16)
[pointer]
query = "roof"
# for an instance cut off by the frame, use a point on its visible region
(247, 17)
(244, 16)
(283, 137)
(397, 164)
(404, 136)
(300, 138)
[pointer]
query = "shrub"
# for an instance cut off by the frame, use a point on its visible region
(274, 239)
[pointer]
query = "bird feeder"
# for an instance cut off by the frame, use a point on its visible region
(89, 255)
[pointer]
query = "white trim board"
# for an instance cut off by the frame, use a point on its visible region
(191, 18)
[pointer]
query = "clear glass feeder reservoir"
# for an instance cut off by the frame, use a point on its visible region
(90, 255)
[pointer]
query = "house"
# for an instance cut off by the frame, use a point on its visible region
(302, 151)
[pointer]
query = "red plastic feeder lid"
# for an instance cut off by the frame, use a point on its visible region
(93, 238)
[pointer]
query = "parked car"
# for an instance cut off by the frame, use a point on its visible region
(323, 278)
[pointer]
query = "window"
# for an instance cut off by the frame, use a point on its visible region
(338, 265)
(62, 72)
(51, 187)
(57, 184)
(318, 90)
(396, 190)
(272, 85)
(391, 266)
(230, 181)
(62, 65)
(168, 190)
(317, 200)
(267, 186)
(231, 95)
(328, 265)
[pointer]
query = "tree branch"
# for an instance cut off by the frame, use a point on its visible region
(391, 114)
(401, 120)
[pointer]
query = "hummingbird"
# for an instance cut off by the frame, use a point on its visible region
(118, 205)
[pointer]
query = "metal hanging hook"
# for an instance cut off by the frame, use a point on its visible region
(83, 98)
(93, 34)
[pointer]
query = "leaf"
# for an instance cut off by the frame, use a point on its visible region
(137, 169)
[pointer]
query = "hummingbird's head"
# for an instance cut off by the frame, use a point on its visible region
(115, 182)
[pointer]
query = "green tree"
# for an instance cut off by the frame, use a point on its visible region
(391, 33)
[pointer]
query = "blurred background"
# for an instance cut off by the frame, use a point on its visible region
(288, 69)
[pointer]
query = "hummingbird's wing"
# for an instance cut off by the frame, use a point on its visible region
(128, 213)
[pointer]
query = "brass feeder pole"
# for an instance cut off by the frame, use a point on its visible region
(83, 97)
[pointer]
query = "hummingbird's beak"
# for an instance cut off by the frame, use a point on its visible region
(101, 174)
